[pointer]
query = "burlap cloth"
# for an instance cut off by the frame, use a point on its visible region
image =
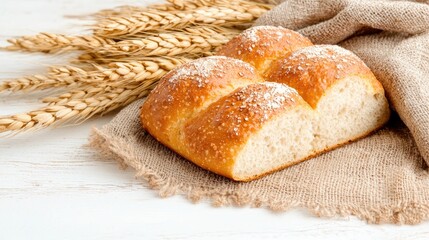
(381, 178)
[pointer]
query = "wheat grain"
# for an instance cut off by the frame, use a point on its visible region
(152, 20)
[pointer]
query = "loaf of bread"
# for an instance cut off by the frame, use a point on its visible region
(273, 99)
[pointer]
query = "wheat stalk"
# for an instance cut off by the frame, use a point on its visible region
(75, 108)
(86, 101)
(52, 43)
(190, 40)
(238, 12)
(151, 20)
(115, 73)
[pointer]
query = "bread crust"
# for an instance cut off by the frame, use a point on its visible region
(261, 45)
(313, 70)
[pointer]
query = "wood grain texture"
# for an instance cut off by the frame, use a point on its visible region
(52, 187)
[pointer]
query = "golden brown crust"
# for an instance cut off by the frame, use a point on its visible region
(313, 70)
(190, 88)
(215, 136)
(261, 45)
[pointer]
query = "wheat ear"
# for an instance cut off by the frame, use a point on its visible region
(115, 73)
(37, 82)
(75, 109)
(174, 5)
(194, 40)
(193, 4)
(131, 72)
(52, 43)
(152, 20)
(86, 101)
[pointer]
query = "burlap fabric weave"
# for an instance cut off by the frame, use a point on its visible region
(381, 178)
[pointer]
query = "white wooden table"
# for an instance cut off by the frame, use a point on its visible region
(52, 187)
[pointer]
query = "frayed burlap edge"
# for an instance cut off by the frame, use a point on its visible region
(409, 213)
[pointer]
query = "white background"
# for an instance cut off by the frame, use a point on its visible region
(52, 187)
